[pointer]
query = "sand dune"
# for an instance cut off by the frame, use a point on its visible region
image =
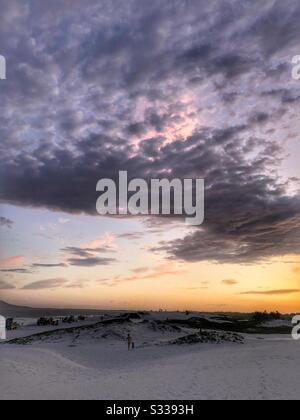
(91, 361)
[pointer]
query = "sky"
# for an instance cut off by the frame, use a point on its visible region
(161, 89)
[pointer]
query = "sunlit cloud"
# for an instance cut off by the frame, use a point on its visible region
(12, 262)
(106, 242)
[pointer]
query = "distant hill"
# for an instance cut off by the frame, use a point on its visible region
(12, 311)
(9, 310)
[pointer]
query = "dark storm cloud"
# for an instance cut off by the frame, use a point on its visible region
(247, 230)
(106, 86)
(276, 28)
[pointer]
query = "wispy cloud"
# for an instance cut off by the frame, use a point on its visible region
(4, 222)
(131, 236)
(272, 292)
(63, 221)
(230, 282)
(6, 286)
(140, 270)
(104, 244)
(12, 262)
(58, 265)
(78, 284)
(16, 271)
(143, 273)
(91, 261)
(91, 253)
(45, 284)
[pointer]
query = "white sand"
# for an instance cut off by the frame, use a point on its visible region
(267, 368)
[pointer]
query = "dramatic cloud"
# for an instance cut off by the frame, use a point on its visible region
(175, 88)
(4, 222)
(273, 292)
(250, 229)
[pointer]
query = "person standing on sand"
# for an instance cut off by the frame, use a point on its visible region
(129, 341)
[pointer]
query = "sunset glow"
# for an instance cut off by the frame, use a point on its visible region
(105, 90)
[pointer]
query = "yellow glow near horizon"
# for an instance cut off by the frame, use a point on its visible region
(198, 287)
